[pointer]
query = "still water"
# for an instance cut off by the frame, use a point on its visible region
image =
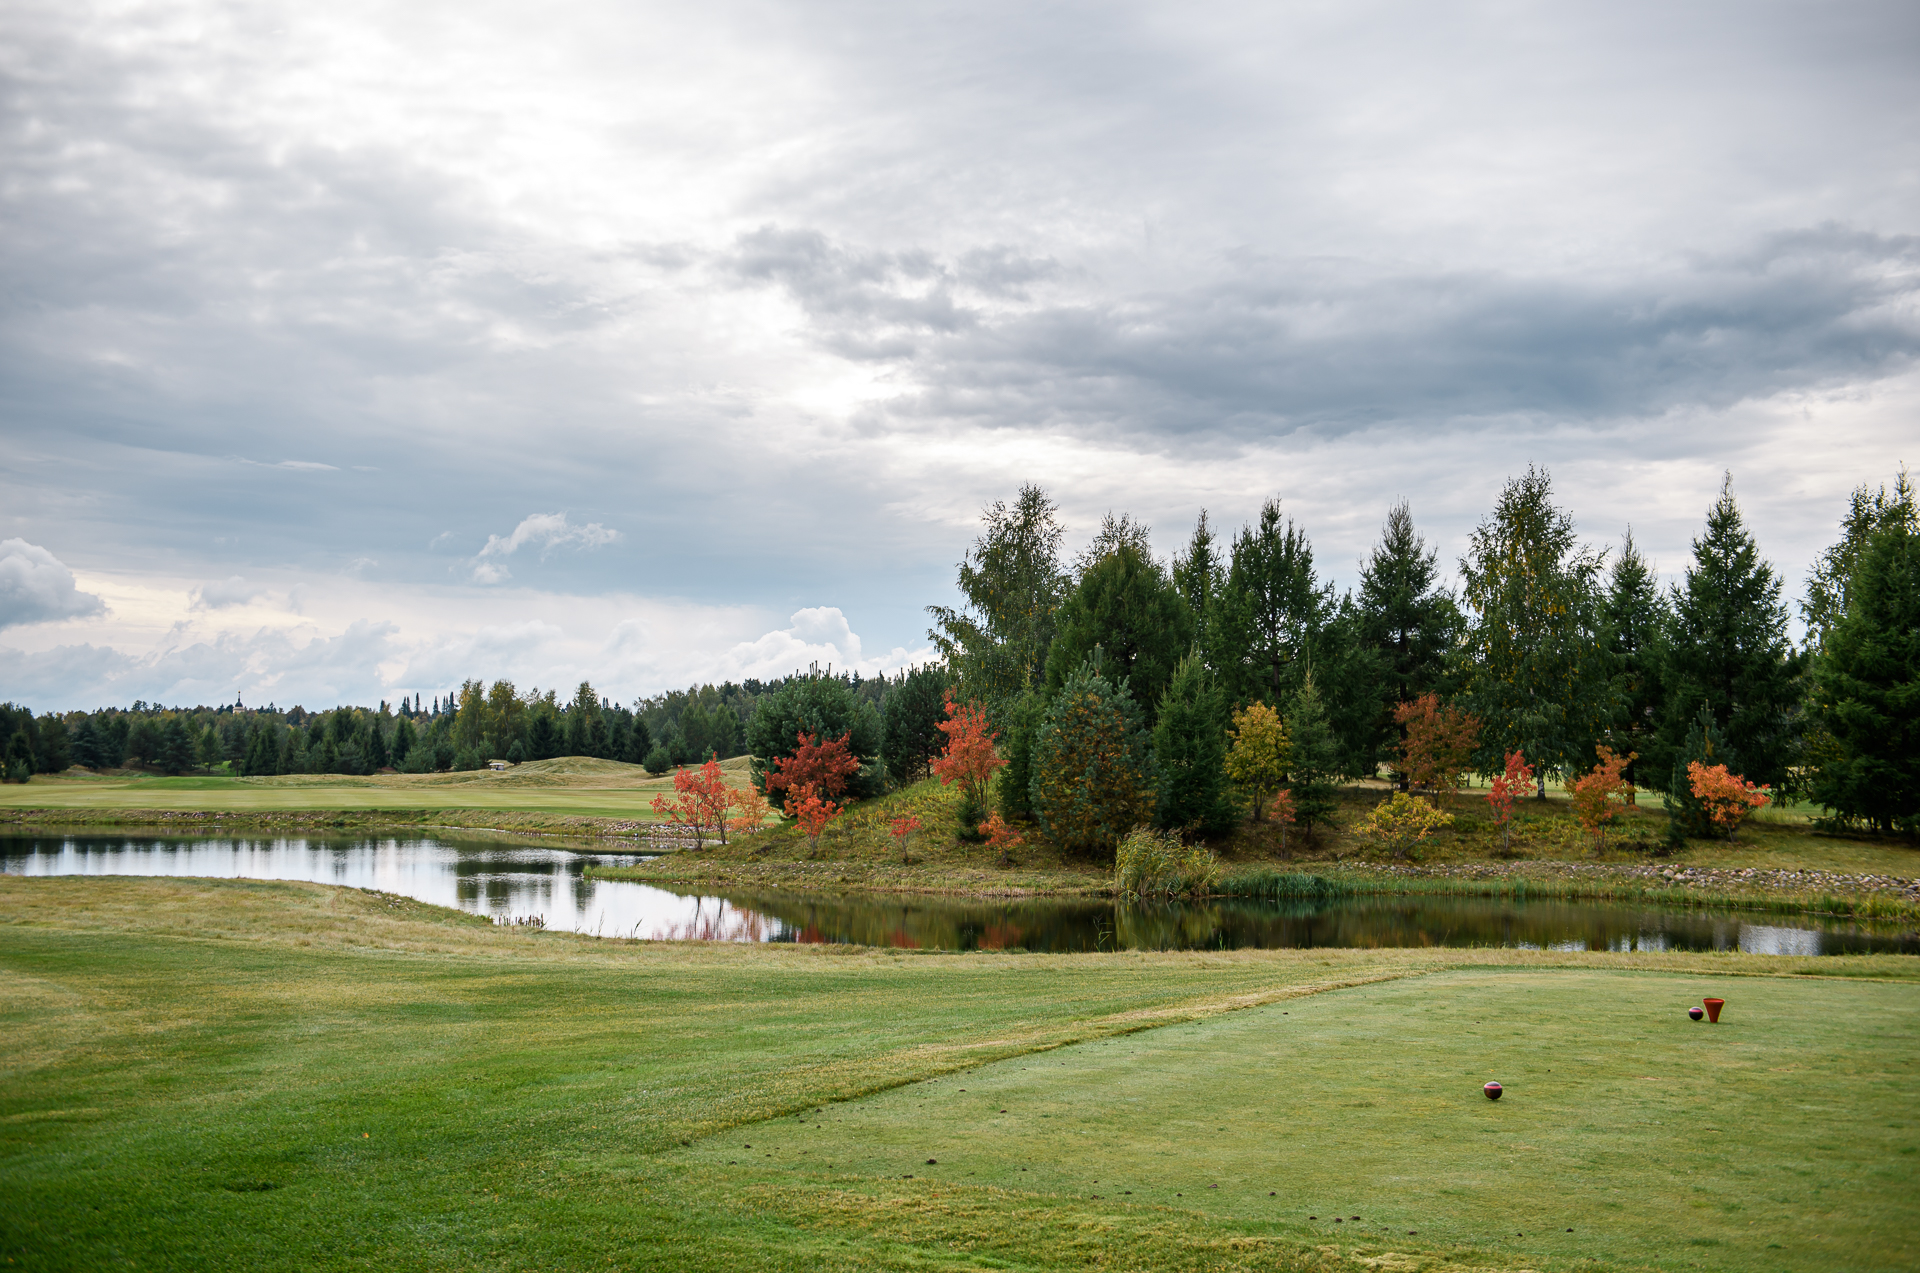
(507, 880)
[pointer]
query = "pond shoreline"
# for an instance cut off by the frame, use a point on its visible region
(1803, 891)
(631, 835)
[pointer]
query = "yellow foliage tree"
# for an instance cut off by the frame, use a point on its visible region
(1257, 762)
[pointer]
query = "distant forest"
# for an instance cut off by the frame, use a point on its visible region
(463, 730)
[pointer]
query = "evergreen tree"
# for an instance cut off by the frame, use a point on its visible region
(639, 743)
(543, 736)
(1534, 656)
(1405, 613)
(1201, 575)
(378, 757)
(1093, 776)
(1636, 617)
(1273, 608)
(86, 745)
(1314, 757)
(1727, 648)
(1018, 735)
(175, 754)
(55, 751)
(911, 715)
(1190, 752)
(1830, 584)
(403, 738)
(1013, 583)
(1867, 688)
(20, 759)
(1125, 606)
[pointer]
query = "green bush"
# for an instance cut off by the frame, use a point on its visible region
(1157, 864)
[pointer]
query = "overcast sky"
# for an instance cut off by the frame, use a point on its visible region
(348, 350)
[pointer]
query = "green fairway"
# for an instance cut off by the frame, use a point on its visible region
(228, 1075)
(572, 786)
(1785, 1137)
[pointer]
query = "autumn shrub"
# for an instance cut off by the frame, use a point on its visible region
(1436, 751)
(968, 760)
(1157, 864)
(1727, 797)
(1600, 794)
(1401, 822)
(1257, 759)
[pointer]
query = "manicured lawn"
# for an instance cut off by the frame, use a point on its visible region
(253, 1075)
(572, 786)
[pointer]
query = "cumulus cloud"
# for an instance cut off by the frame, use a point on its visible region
(35, 587)
(545, 531)
(817, 634)
(223, 593)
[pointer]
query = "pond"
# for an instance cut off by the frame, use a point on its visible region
(511, 880)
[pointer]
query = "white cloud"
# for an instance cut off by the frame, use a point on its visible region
(35, 586)
(817, 634)
(221, 594)
(546, 531)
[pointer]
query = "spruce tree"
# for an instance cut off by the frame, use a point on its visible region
(1271, 612)
(1727, 648)
(1190, 752)
(1200, 575)
(1703, 744)
(1013, 582)
(1830, 583)
(1404, 612)
(1314, 757)
(1867, 688)
(1636, 618)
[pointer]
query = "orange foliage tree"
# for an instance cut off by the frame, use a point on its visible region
(1437, 750)
(812, 811)
(999, 835)
(753, 810)
(701, 800)
(969, 758)
(1599, 795)
(1727, 797)
(1507, 788)
(823, 766)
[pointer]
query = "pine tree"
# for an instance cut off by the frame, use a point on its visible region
(1867, 688)
(1702, 743)
(1637, 617)
(1190, 752)
(1200, 574)
(1727, 648)
(175, 754)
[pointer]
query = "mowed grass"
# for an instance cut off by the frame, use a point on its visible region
(1785, 1137)
(573, 785)
(214, 1075)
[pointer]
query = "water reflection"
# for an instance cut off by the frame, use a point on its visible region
(506, 880)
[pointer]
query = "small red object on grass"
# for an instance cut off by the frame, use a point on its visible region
(1696, 1013)
(1713, 1010)
(1493, 1091)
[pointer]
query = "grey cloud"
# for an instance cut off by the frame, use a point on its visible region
(35, 586)
(1334, 345)
(220, 594)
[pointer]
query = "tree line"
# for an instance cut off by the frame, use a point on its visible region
(1119, 682)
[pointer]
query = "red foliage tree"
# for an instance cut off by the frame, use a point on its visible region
(1281, 808)
(1507, 788)
(701, 800)
(824, 766)
(903, 829)
(812, 811)
(969, 758)
(1437, 750)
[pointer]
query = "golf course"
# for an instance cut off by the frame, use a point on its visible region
(259, 1075)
